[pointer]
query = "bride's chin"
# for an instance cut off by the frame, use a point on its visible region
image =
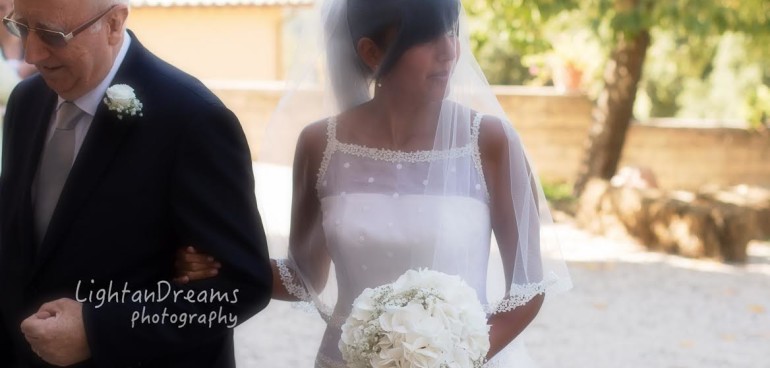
(434, 99)
(437, 93)
(429, 95)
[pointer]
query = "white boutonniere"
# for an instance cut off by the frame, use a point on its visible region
(122, 99)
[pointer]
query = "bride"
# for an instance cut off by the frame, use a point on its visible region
(419, 175)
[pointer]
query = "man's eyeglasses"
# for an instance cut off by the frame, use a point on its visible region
(49, 37)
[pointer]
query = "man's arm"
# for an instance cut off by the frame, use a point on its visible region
(6, 347)
(7, 131)
(213, 207)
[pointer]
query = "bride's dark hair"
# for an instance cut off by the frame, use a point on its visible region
(416, 21)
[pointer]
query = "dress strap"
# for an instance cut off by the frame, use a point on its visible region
(475, 129)
(331, 130)
(331, 146)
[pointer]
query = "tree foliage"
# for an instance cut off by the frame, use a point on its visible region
(508, 36)
(690, 58)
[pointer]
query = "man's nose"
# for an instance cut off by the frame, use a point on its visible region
(35, 50)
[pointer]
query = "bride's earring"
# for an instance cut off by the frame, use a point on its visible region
(379, 82)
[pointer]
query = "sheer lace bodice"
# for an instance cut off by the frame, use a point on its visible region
(377, 216)
(379, 220)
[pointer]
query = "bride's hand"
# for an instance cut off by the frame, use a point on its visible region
(190, 265)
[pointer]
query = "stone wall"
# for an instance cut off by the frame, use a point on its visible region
(690, 158)
(554, 127)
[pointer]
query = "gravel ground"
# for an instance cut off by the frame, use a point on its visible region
(629, 308)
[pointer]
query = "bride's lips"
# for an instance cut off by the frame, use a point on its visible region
(443, 75)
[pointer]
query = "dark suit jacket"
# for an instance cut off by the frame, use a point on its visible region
(140, 188)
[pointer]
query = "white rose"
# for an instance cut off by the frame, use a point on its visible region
(121, 94)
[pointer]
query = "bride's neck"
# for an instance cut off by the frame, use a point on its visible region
(402, 117)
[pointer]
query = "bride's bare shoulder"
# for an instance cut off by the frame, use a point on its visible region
(497, 138)
(313, 137)
(492, 135)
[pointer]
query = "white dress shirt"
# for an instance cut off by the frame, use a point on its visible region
(91, 100)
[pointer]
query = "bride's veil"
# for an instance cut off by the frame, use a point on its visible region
(327, 78)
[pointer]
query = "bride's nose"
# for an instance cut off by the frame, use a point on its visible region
(446, 46)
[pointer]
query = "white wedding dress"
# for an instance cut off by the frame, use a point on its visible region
(379, 221)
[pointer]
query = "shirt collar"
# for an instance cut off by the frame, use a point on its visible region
(91, 100)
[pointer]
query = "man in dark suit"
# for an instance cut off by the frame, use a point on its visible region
(101, 184)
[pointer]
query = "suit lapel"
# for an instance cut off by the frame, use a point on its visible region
(102, 142)
(42, 121)
(39, 120)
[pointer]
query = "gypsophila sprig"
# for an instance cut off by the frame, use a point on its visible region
(122, 99)
(423, 319)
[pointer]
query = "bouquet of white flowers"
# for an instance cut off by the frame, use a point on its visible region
(425, 319)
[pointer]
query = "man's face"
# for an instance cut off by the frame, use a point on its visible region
(75, 69)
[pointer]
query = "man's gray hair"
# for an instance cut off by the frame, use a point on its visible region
(101, 5)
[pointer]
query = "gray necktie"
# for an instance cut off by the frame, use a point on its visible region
(55, 166)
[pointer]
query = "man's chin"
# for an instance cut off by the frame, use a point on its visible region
(59, 86)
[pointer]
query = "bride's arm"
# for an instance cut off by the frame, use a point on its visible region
(192, 265)
(494, 146)
(307, 241)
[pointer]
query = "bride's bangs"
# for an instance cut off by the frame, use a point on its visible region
(430, 19)
(417, 21)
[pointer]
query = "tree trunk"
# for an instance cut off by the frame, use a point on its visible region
(614, 109)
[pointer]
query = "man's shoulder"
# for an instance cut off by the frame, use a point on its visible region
(29, 87)
(178, 87)
(177, 100)
(158, 80)
(27, 99)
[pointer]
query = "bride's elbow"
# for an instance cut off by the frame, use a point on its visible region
(319, 281)
(536, 304)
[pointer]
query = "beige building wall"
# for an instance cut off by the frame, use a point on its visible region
(214, 43)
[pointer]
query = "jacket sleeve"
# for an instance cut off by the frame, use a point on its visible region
(213, 207)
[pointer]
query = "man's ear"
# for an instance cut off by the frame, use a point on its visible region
(115, 23)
